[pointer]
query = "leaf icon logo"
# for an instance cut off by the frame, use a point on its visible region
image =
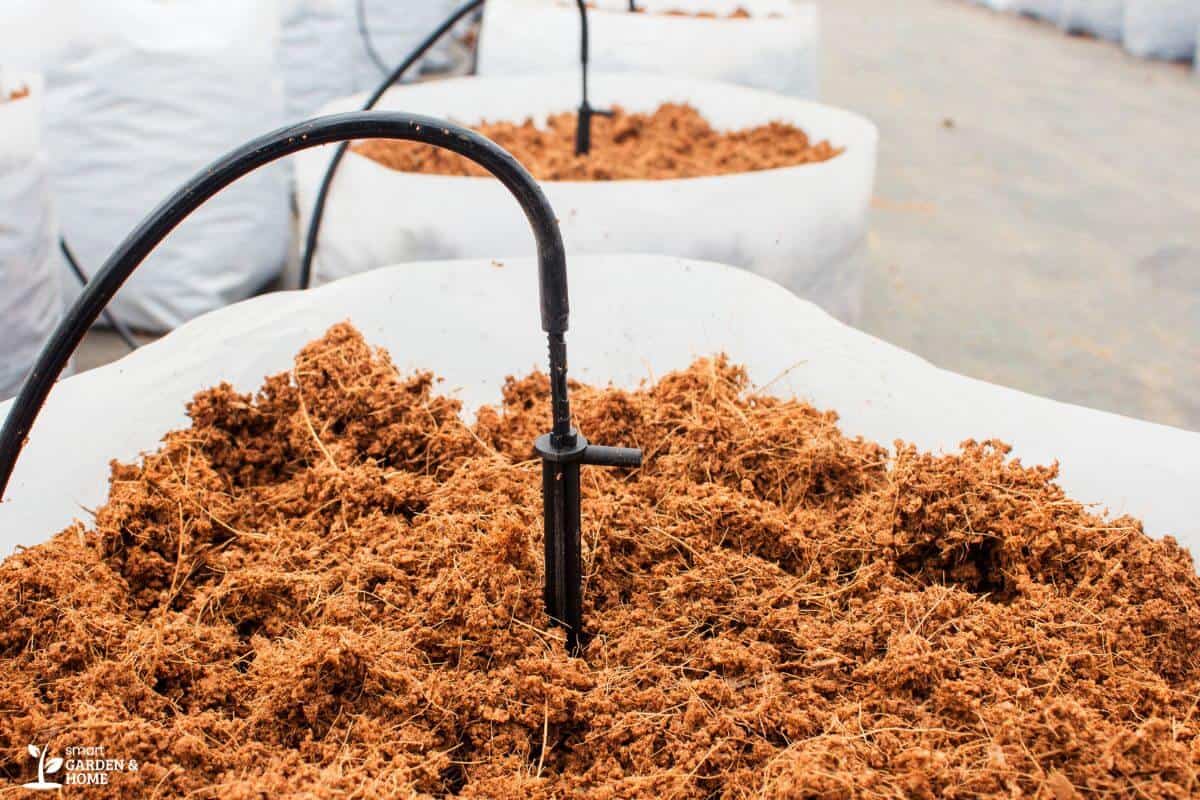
(44, 768)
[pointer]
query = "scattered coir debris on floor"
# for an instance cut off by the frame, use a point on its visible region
(673, 142)
(17, 94)
(333, 588)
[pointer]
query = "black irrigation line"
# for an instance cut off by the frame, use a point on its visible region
(110, 318)
(313, 232)
(563, 450)
(583, 119)
(364, 33)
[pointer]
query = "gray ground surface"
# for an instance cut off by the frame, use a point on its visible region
(1037, 214)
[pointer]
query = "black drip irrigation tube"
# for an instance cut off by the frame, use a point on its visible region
(318, 212)
(364, 33)
(583, 121)
(563, 450)
(110, 318)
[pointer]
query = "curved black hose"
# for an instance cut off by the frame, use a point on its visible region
(110, 318)
(318, 211)
(364, 33)
(552, 267)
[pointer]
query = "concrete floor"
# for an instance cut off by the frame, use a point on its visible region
(1037, 211)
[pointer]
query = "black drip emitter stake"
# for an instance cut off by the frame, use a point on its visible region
(583, 122)
(562, 450)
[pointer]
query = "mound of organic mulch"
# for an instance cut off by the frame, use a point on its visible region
(737, 13)
(673, 142)
(333, 588)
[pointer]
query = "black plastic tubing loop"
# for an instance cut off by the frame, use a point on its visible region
(552, 268)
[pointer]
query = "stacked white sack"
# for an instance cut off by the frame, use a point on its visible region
(632, 318)
(775, 49)
(1163, 29)
(141, 99)
(30, 289)
(394, 28)
(802, 227)
(316, 54)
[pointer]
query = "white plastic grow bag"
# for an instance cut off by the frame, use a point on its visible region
(632, 317)
(1163, 29)
(998, 5)
(139, 100)
(316, 54)
(394, 28)
(799, 226)
(30, 289)
(775, 49)
(1100, 18)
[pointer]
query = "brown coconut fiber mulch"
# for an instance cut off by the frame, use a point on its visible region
(332, 588)
(674, 141)
(737, 13)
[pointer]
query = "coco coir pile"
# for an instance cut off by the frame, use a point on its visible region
(332, 588)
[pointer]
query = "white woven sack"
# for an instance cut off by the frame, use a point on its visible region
(1163, 29)
(394, 28)
(632, 317)
(30, 292)
(802, 226)
(1100, 18)
(776, 49)
(317, 54)
(141, 99)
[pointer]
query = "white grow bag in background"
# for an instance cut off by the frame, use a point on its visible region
(632, 317)
(139, 100)
(1101, 18)
(394, 28)
(30, 288)
(1163, 29)
(799, 226)
(315, 54)
(775, 49)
